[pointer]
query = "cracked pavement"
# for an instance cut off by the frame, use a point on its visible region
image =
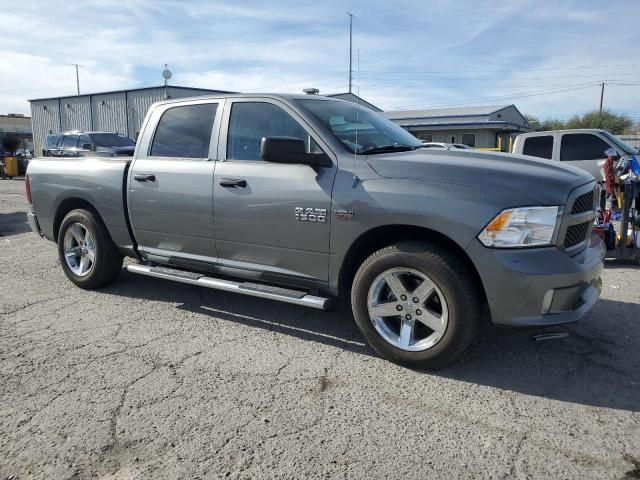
(152, 379)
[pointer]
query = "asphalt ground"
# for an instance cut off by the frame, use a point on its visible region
(152, 379)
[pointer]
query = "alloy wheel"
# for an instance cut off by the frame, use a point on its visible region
(407, 309)
(79, 250)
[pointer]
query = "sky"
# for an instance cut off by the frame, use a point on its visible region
(546, 57)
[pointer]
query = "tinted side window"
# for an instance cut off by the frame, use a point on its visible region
(52, 140)
(582, 146)
(83, 140)
(541, 146)
(250, 121)
(184, 131)
(70, 141)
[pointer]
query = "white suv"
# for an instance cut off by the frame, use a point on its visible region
(583, 148)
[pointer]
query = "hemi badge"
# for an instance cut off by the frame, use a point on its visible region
(344, 214)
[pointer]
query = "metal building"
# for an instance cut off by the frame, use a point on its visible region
(480, 127)
(119, 111)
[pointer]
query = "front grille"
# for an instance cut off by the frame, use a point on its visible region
(576, 234)
(583, 203)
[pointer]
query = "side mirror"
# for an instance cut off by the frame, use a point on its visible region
(87, 146)
(611, 152)
(290, 150)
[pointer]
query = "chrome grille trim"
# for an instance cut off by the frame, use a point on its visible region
(577, 219)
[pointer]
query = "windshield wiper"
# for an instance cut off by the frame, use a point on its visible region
(386, 149)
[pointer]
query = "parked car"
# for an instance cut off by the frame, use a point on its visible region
(286, 194)
(446, 146)
(440, 145)
(82, 144)
(583, 148)
(461, 146)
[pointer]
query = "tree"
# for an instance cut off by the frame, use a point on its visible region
(552, 124)
(540, 126)
(609, 121)
(533, 122)
(606, 120)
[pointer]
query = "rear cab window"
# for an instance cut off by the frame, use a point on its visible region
(538, 146)
(184, 131)
(582, 146)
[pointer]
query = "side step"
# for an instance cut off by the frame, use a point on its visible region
(247, 288)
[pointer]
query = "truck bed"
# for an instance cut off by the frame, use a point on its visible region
(98, 182)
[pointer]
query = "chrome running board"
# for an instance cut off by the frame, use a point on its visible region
(246, 288)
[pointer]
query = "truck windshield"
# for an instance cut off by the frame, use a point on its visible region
(111, 140)
(626, 148)
(361, 130)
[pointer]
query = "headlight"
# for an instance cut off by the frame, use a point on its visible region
(521, 227)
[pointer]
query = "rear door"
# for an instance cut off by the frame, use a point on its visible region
(584, 150)
(171, 183)
(271, 217)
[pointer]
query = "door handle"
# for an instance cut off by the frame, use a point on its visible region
(233, 182)
(144, 177)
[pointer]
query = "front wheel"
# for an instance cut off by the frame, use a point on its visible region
(87, 254)
(416, 304)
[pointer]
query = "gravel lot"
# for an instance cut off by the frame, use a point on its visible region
(152, 379)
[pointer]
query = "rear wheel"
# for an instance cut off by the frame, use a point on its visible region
(416, 304)
(87, 254)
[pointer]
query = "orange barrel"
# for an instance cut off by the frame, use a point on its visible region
(11, 166)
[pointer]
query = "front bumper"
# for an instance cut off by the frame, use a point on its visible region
(541, 286)
(33, 223)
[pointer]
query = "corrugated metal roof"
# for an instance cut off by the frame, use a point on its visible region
(444, 112)
(442, 120)
(203, 90)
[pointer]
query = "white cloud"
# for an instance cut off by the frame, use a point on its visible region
(28, 76)
(287, 45)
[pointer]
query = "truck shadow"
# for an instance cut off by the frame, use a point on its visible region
(13, 224)
(598, 364)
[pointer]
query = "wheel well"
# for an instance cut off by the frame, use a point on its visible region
(65, 207)
(381, 237)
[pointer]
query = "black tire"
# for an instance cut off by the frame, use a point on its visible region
(457, 284)
(108, 261)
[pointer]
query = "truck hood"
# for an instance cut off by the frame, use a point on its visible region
(519, 176)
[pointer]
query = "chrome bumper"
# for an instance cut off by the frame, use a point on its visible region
(33, 223)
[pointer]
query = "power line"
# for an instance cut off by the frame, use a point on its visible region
(509, 69)
(504, 97)
(493, 84)
(597, 75)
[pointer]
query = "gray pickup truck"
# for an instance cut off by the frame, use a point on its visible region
(303, 199)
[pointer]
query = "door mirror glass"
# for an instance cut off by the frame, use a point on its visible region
(289, 150)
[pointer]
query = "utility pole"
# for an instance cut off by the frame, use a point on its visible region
(77, 65)
(350, 49)
(601, 96)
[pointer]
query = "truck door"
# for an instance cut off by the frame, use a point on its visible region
(171, 183)
(271, 217)
(584, 150)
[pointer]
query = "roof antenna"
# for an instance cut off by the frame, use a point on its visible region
(355, 160)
